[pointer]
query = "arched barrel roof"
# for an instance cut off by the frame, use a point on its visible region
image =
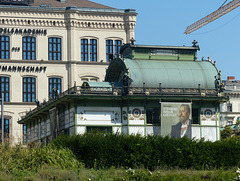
(171, 74)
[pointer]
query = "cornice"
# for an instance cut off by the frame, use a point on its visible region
(72, 23)
(45, 62)
(101, 25)
(30, 22)
(76, 19)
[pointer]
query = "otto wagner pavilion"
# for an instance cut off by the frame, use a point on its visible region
(143, 92)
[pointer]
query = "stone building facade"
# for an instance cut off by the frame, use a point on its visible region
(48, 46)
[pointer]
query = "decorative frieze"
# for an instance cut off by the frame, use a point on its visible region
(75, 23)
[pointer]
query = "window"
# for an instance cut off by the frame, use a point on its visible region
(54, 48)
(55, 86)
(89, 78)
(6, 128)
(29, 48)
(4, 88)
(112, 49)
(29, 89)
(230, 123)
(24, 134)
(84, 50)
(89, 50)
(109, 50)
(229, 107)
(118, 44)
(195, 116)
(93, 50)
(4, 47)
(153, 115)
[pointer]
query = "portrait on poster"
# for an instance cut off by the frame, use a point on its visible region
(176, 120)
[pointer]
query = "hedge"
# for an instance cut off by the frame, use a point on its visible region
(100, 150)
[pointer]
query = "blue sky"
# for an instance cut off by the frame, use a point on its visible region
(162, 22)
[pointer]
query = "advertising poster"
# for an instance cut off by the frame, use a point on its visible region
(176, 119)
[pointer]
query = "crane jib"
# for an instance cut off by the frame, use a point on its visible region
(211, 17)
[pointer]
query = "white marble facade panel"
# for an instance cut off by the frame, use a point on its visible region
(124, 116)
(209, 133)
(98, 116)
(196, 132)
(136, 116)
(208, 116)
(81, 129)
(153, 130)
(134, 130)
(117, 130)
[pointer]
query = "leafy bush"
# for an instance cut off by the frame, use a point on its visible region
(100, 150)
(22, 161)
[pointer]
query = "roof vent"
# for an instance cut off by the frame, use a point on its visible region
(62, 1)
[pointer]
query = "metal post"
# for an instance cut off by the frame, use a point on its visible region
(2, 117)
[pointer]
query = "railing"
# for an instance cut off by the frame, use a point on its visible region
(128, 91)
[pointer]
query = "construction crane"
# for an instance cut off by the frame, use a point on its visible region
(213, 16)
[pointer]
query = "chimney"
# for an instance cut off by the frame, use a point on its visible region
(62, 1)
(231, 78)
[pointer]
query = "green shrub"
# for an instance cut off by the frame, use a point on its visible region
(100, 150)
(22, 161)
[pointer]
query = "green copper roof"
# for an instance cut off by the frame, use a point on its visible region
(171, 74)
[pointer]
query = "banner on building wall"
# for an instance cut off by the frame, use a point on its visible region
(176, 119)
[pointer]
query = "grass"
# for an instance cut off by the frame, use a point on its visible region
(47, 172)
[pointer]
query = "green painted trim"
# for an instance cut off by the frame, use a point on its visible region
(219, 122)
(99, 125)
(76, 115)
(121, 119)
(200, 122)
(145, 120)
(128, 119)
(216, 111)
(149, 97)
(137, 125)
(204, 126)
